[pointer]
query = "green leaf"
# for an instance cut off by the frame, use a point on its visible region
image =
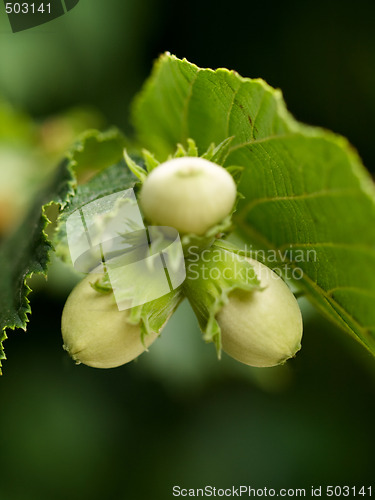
(116, 177)
(310, 204)
(153, 315)
(305, 188)
(26, 251)
(181, 101)
(150, 161)
(97, 150)
(111, 180)
(138, 171)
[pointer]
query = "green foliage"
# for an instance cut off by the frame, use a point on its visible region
(15, 127)
(95, 150)
(304, 188)
(26, 251)
(110, 180)
(208, 296)
(181, 100)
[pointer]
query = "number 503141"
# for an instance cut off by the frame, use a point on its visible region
(345, 491)
(27, 8)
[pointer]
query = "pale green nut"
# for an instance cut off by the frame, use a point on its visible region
(190, 194)
(95, 332)
(261, 328)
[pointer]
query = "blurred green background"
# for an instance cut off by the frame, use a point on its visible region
(177, 416)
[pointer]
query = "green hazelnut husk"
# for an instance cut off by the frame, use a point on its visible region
(244, 307)
(96, 333)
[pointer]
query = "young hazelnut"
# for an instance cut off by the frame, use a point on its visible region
(95, 332)
(190, 194)
(261, 327)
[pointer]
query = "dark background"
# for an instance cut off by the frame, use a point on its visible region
(178, 416)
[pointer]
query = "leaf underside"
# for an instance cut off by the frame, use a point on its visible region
(115, 178)
(26, 251)
(306, 191)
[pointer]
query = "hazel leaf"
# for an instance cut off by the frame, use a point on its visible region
(26, 251)
(305, 189)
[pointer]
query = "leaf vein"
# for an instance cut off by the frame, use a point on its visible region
(324, 193)
(343, 314)
(231, 109)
